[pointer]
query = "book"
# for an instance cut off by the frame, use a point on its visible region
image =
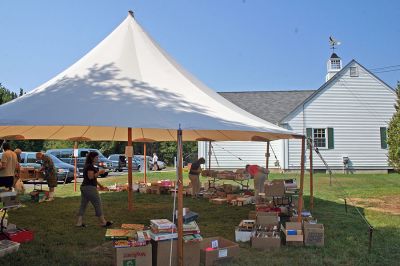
(162, 224)
(192, 238)
(160, 237)
(136, 227)
(119, 234)
(162, 231)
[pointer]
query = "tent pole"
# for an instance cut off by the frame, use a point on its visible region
(180, 200)
(303, 140)
(130, 200)
(311, 178)
(75, 165)
(145, 161)
(267, 158)
(209, 155)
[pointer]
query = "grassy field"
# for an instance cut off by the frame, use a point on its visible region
(58, 242)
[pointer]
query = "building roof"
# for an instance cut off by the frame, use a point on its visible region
(272, 106)
(334, 55)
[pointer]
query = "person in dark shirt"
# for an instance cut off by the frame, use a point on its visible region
(89, 191)
(194, 173)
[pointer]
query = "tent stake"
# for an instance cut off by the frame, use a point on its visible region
(180, 200)
(371, 229)
(75, 164)
(130, 196)
(301, 179)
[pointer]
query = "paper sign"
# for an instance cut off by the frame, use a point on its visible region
(75, 153)
(129, 151)
(214, 244)
(222, 253)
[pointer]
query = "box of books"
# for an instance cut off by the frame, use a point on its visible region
(217, 248)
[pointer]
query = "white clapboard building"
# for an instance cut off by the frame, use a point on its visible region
(346, 117)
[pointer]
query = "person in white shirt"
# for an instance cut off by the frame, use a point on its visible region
(155, 160)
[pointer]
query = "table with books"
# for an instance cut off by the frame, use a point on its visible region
(239, 176)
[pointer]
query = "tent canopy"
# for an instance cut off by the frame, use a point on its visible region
(128, 81)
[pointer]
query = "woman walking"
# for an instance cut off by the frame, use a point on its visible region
(89, 191)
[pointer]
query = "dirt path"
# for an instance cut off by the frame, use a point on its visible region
(388, 204)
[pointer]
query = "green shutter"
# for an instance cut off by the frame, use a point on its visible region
(309, 133)
(383, 138)
(331, 140)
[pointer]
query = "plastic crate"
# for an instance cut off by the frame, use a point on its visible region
(7, 246)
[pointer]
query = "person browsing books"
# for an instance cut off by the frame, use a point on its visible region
(194, 176)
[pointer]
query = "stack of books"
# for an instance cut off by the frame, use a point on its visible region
(191, 232)
(162, 229)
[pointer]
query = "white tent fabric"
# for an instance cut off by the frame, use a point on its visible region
(129, 81)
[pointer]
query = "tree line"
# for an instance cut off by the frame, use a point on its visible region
(166, 151)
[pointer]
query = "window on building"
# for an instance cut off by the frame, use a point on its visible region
(335, 64)
(353, 72)
(319, 135)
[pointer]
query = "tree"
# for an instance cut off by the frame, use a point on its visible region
(394, 134)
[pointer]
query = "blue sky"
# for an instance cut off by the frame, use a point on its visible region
(231, 45)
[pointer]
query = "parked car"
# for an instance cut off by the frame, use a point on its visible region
(118, 162)
(161, 164)
(65, 172)
(67, 156)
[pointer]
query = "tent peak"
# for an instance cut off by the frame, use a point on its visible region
(130, 12)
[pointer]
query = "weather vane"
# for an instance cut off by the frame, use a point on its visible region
(333, 43)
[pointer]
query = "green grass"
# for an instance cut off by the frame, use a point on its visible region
(58, 242)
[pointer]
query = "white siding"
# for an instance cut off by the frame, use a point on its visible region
(226, 154)
(356, 107)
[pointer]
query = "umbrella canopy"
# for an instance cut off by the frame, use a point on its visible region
(129, 81)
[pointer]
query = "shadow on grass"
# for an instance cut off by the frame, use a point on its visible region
(58, 242)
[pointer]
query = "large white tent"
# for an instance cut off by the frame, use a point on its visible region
(129, 81)
(128, 88)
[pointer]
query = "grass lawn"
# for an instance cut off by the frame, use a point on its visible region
(58, 242)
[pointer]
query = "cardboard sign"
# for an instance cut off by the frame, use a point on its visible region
(214, 244)
(75, 153)
(129, 151)
(222, 253)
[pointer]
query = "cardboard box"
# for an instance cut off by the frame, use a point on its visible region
(226, 250)
(293, 232)
(274, 188)
(218, 201)
(243, 232)
(266, 239)
(161, 251)
(314, 234)
(133, 256)
(27, 173)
